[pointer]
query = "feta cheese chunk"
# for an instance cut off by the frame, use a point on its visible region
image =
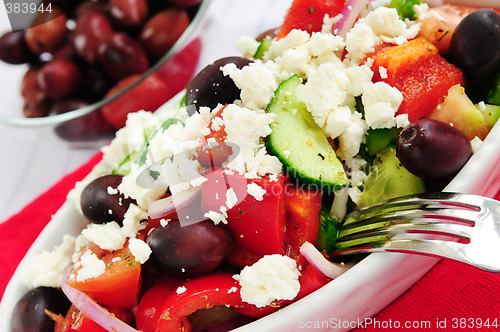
(273, 277)
(46, 269)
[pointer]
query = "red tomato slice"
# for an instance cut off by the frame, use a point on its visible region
(214, 154)
(148, 95)
(303, 209)
(119, 285)
(308, 15)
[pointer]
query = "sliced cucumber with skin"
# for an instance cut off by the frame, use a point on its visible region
(263, 48)
(300, 144)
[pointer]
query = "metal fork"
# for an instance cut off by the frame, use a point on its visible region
(461, 227)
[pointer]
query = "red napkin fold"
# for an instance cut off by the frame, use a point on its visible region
(452, 296)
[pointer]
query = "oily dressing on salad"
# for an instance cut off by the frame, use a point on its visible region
(224, 207)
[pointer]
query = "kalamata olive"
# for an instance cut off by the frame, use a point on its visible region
(475, 48)
(190, 250)
(96, 83)
(128, 13)
(13, 48)
(101, 202)
(162, 30)
(122, 56)
(36, 104)
(59, 78)
(432, 149)
(91, 28)
(187, 3)
(48, 32)
(91, 126)
(210, 87)
(29, 312)
(30, 80)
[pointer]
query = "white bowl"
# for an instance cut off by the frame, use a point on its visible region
(356, 295)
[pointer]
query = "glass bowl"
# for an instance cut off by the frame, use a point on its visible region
(85, 123)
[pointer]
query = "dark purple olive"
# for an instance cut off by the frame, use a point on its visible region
(432, 149)
(102, 203)
(210, 87)
(59, 78)
(191, 250)
(122, 56)
(475, 48)
(29, 312)
(85, 128)
(13, 48)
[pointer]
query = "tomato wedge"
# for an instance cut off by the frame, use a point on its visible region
(119, 285)
(308, 15)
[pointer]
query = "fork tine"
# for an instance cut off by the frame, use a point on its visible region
(430, 215)
(436, 248)
(384, 232)
(426, 202)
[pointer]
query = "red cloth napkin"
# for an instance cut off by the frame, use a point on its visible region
(452, 296)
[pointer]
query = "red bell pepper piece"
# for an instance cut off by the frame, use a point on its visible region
(308, 15)
(419, 72)
(258, 226)
(200, 293)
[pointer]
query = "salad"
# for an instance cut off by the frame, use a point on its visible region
(225, 209)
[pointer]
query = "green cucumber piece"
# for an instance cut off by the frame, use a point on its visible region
(389, 179)
(139, 157)
(263, 48)
(300, 144)
(379, 139)
(328, 232)
(490, 112)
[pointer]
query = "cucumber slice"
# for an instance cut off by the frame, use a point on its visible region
(389, 179)
(300, 144)
(263, 48)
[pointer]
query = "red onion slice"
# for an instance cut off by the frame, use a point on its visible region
(316, 258)
(351, 12)
(164, 206)
(91, 309)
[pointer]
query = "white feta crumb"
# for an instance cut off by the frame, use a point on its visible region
(476, 143)
(382, 72)
(232, 290)
(112, 191)
(92, 266)
(381, 103)
(46, 269)
(256, 191)
(107, 236)
(180, 290)
(231, 198)
(273, 277)
(139, 249)
(164, 222)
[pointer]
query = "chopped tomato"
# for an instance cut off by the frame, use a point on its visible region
(76, 321)
(303, 209)
(214, 151)
(308, 15)
(257, 224)
(119, 285)
(419, 72)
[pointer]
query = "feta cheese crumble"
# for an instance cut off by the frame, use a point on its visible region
(273, 277)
